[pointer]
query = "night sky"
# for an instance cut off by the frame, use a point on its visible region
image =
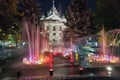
(47, 4)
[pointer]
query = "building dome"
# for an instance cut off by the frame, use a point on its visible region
(53, 10)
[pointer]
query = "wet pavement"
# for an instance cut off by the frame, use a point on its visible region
(63, 69)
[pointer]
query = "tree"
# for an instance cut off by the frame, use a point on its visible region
(78, 20)
(31, 12)
(8, 7)
(11, 15)
(8, 10)
(107, 13)
(29, 8)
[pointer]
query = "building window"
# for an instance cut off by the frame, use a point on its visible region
(54, 28)
(60, 28)
(47, 27)
(60, 34)
(54, 40)
(54, 34)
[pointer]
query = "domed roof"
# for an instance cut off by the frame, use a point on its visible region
(54, 15)
(53, 10)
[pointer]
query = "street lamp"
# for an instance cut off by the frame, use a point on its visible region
(81, 69)
(109, 70)
(51, 64)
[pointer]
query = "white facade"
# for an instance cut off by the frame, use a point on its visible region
(54, 25)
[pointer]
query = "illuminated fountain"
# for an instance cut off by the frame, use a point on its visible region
(114, 41)
(36, 56)
(72, 51)
(104, 42)
(108, 41)
(69, 50)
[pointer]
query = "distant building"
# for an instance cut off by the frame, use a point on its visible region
(53, 24)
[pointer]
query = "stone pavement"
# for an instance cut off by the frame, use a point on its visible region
(35, 78)
(43, 77)
(30, 71)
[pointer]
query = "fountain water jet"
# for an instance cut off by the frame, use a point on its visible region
(107, 53)
(32, 30)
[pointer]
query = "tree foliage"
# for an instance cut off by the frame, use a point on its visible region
(107, 13)
(8, 11)
(29, 8)
(8, 7)
(78, 20)
(31, 12)
(11, 14)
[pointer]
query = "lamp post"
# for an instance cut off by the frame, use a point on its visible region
(109, 70)
(81, 69)
(51, 64)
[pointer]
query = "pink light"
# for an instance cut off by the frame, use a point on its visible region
(80, 68)
(106, 58)
(71, 57)
(51, 69)
(62, 54)
(51, 61)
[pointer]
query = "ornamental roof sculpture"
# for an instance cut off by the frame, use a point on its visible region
(53, 15)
